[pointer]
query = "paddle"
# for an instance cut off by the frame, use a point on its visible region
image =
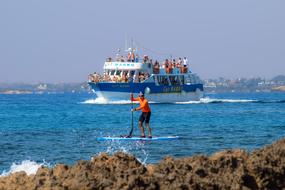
(132, 121)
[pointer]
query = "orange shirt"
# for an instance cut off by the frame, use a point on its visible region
(143, 104)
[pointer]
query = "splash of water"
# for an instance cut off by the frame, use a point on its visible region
(136, 148)
(208, 100)
(28, 166)
(205, 100)
(104, 101)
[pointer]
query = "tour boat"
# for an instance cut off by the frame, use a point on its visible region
(167, 82)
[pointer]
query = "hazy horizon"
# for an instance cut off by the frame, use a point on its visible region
(64, 41)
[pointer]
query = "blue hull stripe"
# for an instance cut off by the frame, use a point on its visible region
(140, 87)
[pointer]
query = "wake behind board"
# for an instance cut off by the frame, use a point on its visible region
(138, 138)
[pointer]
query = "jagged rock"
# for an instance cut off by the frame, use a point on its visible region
(229, 169)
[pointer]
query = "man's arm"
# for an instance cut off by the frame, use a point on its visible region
(134, 99)
(142, 105)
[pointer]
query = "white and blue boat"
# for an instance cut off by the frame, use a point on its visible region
(165, 83)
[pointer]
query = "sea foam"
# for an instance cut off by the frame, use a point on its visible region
(28, 166)
(205, 100)
(208, 100)
(104, 101)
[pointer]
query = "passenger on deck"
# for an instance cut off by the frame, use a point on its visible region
(156, 67)
(185, 62)
(122, 59)
(145, 59)
(178, 64)
(132, 57)
(166, 64)
(96, 77)
(107, 78)
(180, 61)
(150, 64)
(124, 77)
(184, 68)
(146, 76)
(170, 63)
(141, 77)
(129, 56)
(173, 63)
(137, 58)
(156, 64)
(115, 78)
(169, 69)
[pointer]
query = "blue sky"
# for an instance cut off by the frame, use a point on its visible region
(65, 40)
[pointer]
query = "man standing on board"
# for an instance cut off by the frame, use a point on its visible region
(145, 115)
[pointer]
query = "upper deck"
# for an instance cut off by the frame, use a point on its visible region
(125, 66)
(133, 68)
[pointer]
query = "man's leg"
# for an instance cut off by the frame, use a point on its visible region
(141, 128)
(149, 129)
(147, 124)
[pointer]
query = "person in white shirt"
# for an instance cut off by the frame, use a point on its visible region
(185, 62)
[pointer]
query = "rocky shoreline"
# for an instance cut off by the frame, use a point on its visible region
(232, 169)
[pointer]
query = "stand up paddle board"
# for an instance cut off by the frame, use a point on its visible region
(138, 138)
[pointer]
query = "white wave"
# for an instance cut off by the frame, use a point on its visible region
(104, 101)
(28, 166)
(208, 100)
(235, 101)
(205, 100)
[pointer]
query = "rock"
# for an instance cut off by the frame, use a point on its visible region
(279, 88)
(229, 169)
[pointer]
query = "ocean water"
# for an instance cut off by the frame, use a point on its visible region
(48, 129)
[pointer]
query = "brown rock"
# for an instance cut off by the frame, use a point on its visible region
(229, 169)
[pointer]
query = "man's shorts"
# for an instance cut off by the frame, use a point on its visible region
(145, 116)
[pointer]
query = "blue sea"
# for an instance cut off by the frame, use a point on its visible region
(48, 129)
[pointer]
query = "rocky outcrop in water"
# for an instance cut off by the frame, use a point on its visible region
(233, 169)
(279, 88)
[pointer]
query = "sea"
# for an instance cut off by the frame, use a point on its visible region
(48, 129)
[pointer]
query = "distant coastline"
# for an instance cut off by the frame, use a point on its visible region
(258, 84)
(43, 88)
(276, 84)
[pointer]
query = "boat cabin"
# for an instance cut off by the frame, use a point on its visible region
(132, 68)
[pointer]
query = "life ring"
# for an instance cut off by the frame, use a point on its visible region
(147, 90)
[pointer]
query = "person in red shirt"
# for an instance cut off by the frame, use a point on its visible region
(145, 115)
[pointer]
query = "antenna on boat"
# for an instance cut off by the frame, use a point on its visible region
(132, 44)
(126, 42)
(129, 46)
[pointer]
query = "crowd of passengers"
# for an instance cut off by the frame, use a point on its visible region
(168, 65)
(124, 77)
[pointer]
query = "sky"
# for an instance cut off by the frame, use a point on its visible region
(65, 40)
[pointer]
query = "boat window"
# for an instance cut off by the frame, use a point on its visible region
(124, 73)
(174, 80)
(118, 72)
(112, 72)
(162, 80)
(156, 80)
(181, 77)
(192, 79)
(132, 73)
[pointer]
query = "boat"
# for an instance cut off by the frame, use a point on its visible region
(164, 82)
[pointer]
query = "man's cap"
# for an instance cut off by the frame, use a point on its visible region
(141, 94)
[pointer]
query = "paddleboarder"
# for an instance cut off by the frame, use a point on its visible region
(145, 115)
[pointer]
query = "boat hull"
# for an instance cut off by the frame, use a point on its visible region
(162, 94)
